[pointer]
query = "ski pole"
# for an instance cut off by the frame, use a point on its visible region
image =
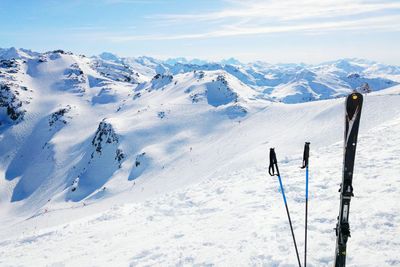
(273, 164)
(306, 155)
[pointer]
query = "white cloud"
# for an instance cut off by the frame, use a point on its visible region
(263, 17)
(286, 10)
(114, 2)
(386, 23)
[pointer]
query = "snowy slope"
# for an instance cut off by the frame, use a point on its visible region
(235, 216)
(166, 165)
(57, 136)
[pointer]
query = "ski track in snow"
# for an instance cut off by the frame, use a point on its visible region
(237, 219)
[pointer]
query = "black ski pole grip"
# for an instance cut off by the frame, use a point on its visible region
(273, 163)
(306, 155)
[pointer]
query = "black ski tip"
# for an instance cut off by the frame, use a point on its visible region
(353, 104)
(355, 96)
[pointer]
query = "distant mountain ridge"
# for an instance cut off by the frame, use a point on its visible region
(75, 128)
(289, 83)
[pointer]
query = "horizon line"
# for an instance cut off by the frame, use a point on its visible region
(164, 58)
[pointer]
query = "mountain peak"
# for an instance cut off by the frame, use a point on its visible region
(183, 60)
(109, 57)
(14, 53)
(231, 61)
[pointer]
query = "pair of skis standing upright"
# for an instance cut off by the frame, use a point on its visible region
(352, 120)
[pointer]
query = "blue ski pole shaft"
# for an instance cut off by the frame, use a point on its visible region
(290, 221)
(306, 221)
(306, 155)
(274, 170)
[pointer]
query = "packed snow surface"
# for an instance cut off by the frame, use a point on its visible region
(110, 161)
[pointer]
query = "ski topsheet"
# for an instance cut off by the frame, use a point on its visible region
(352, 121)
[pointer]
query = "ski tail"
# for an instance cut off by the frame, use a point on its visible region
(274, 170)
(352, 121)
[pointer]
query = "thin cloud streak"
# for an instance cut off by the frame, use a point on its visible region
(386, 23)
(116, 2)
(285, 10)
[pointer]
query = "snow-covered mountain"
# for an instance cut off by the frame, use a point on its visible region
(289, 83)
(108, 150)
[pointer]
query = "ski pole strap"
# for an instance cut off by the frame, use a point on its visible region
(306, 154)
(273, 163)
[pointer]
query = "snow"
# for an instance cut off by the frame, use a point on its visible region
(104, 171)
(234, 219)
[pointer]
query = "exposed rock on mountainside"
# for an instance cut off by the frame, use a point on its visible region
(116, 71)
(105, 158)
(161, 80)
(59, 116)
(219, 93)
(105, 134)
(10, 104)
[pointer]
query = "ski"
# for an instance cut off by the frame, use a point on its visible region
(352, 121)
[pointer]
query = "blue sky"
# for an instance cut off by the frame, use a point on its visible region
(308, 31)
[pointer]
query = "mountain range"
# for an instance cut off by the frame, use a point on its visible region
(138, 141)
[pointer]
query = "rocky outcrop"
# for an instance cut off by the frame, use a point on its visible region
(10, 103)
(103, 159)
(106, 136)
(74, 80)
(161, 80)
(161, 114)
(9, 66)
(219, 93)
(142, 163)
(116, 71)
(59, 116)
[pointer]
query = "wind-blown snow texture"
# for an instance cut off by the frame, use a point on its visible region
(137, 161)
